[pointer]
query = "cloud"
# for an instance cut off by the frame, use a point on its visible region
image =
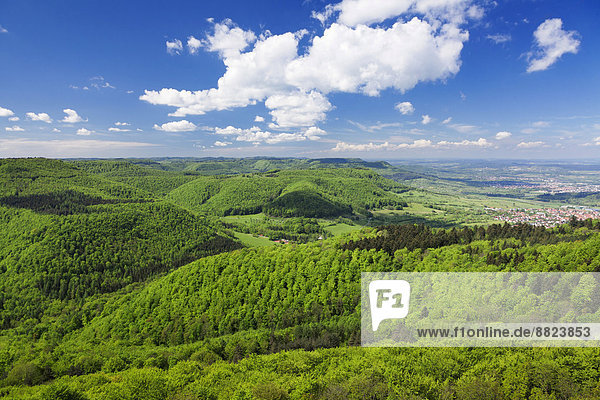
(122, 124)
(56, 130)
(503, 135)
(370, 59)
(379, 126)
(84, 132)
(499, 38)
(405, 107)
(417, 144)
(176, 126)
(342, 146)
(530, 145)
(481, 142)
(447, 120)
(5, 112)
(99, 82)
(222, 144)
(366, 12)
(14, 119)
(597, 141)
(257, 135)
(14, 128)
(3, 29)
(193, 45)
(250, 77)
(550, 43)
(39, 117)
(344, 58)
(67, 148)
(72, 117)
(228, 40)
(462, 128)
(113, 129)
(314, 133)
(297, 109)
(425, 119)
(541, 124)
(174, 47)
(258, 118)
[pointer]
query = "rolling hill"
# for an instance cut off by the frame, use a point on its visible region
(291, 193)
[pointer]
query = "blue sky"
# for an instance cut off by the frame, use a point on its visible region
(378, 79)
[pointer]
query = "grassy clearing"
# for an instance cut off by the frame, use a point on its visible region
(341, 229)
(252, 241)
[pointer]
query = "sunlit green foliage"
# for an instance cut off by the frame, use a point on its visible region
(110, 288)
(291, 193)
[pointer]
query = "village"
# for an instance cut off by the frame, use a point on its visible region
(549, 186)
(547, 217)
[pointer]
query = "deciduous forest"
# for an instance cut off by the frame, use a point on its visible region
(129, 279)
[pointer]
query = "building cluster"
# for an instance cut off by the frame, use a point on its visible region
(549, 186)
(548, 217)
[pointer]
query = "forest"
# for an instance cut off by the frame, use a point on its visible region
(125, 280)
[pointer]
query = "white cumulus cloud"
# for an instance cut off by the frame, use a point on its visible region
(14, 119)
(503, 135)
(14, 128)
(257, 135)
(366, 12)
(551, 42)
(530, 145)
(297, 108)
(72, 117)
(176, 126)
(222, 144)
(39, 117)
(346, 57)
(174, 46)
(370, 59)
(84, 132)
(250, 77)
(258, 118)
(417, 144)
(113, 129)
(193, 45)
(405, 107)
(228, 39)
(314, 133)
(481, 142)
(425, 119)
(5, 112)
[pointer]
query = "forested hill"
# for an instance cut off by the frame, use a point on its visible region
(67, 234)
(227, 166)
(291, 193)
(119, 280)
(194, 322)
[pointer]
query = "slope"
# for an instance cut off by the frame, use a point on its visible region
(291, 193)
